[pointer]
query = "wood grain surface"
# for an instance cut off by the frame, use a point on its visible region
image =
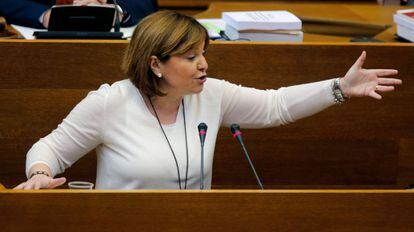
(322, 210)
(364, 143)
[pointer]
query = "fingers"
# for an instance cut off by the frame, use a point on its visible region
(381, 88)
(41, 182)
(375, 95)
(28, 186)
(56, 182)
(384, 72)
(37, 186)
(87, 2)
(20, 186)
(389, 81)
(77, 2)
(360, 61)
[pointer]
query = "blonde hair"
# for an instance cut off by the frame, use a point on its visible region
(162, 34)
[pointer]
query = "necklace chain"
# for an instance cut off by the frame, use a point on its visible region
(169, 144)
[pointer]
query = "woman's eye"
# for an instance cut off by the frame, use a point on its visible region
(192, 57)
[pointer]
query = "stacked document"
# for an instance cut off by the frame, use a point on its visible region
(405, 24)
(263, 26)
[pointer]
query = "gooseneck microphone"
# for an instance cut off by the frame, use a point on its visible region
(235, 130)
(202, 131)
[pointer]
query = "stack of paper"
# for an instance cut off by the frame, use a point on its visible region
(405, 24)
(263, 26)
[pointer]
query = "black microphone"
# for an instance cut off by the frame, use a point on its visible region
(202, 131)
(235, 130)
(117, 25)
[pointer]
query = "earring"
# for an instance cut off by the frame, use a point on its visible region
(159, 75)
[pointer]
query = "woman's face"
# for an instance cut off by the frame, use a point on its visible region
(184, 74)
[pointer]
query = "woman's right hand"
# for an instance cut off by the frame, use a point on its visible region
(41, 182)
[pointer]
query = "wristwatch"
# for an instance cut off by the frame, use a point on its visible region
(339, 96)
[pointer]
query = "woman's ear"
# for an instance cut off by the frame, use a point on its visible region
(155, 64)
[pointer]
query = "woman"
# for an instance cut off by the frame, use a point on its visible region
(144, 128)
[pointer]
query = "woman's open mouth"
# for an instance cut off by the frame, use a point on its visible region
(202, 79)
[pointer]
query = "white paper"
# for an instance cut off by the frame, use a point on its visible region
(405, 32)
(262, 20)
(281, 36)
(27, 32)
(128, 31)
(213, 26)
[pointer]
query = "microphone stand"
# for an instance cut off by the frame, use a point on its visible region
(235, 130)
(252, 166)
(202, 131)
(202, 167)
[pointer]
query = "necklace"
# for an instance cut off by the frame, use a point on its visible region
(169, 144)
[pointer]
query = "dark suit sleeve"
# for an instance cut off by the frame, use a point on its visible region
(136, 10)
(22, 12)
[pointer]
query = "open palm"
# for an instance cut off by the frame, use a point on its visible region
(360, 82)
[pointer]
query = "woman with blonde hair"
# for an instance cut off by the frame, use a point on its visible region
(144, 127)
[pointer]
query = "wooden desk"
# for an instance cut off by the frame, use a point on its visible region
(206, 3)
(236, 210)
(8, 33)
(362, 144)
(363, 13)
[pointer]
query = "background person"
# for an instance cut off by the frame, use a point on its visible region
(36, 13)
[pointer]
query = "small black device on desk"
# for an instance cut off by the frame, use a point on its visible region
(81, 22)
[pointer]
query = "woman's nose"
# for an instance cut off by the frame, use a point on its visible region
(203, 64)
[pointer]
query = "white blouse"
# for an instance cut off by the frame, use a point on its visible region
(131, 149)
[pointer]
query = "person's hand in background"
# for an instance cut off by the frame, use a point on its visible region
(46, 17)
(88, 2)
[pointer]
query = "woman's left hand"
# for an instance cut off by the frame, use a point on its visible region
(360, 82)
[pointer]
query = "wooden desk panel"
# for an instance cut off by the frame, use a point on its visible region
(74, 64)
(345, 210)
(362, 143)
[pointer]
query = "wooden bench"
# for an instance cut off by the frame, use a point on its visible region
(361, 144)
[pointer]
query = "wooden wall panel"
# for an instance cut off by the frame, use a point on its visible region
(72, 65)
(369, 210)
(361, 143)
